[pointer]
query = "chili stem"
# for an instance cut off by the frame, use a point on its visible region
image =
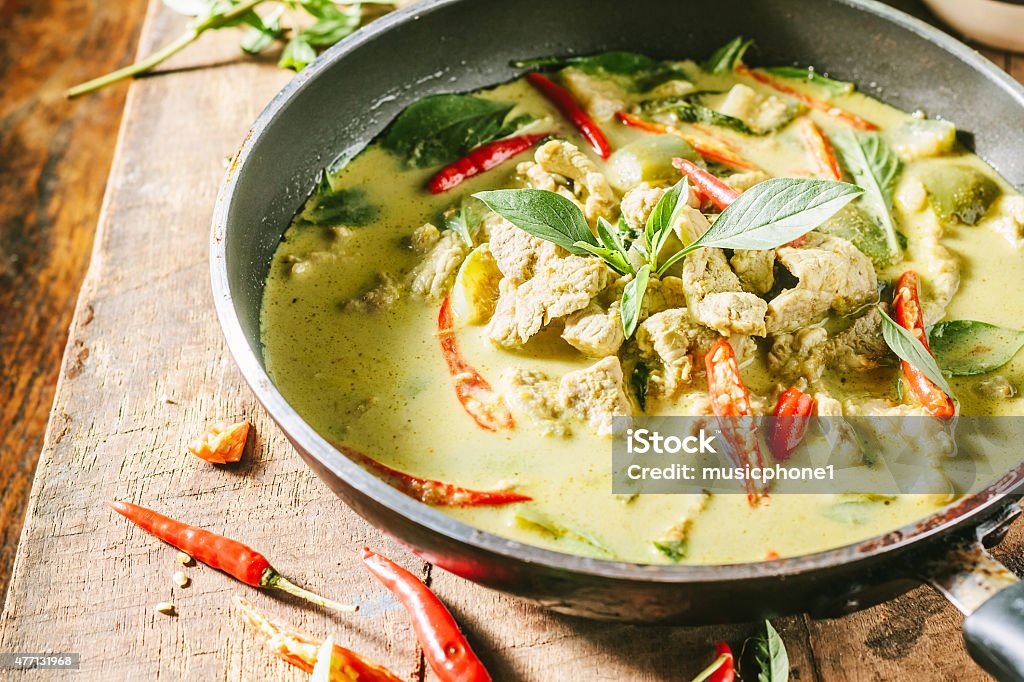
(710, 670)
(160, 56)
(274, 580)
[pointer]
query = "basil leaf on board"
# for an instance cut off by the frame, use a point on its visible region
(441, 128)
(909, 349)
(693, 112)
(544, 214)
(968, 347)
(644, 72)
(724, 59)
(332, 27)
(874, 166)
(768, 654)
(329, 207)
(810, 76)
(632, 299)
(659, 223)
(773, 213)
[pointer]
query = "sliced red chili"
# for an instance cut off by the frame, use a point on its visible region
(707, 147)
(565, 103)
(907, 309)
(730, 402)
(821, 150)
(789, 424)
(436, 493)
(480, 401)
(719, 193)
(444, 646)
(812, 102)
(482, 159)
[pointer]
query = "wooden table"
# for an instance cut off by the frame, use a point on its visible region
(146, 368)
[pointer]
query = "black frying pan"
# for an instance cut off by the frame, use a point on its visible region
(348, 95)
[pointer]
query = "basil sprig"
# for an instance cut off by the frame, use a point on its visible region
(767, 653)
(875, 166)
(772, 213)
(907, 348)
(767, 215)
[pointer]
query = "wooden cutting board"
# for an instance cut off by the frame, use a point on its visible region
(146, 368)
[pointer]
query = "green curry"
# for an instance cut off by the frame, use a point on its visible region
(543, 336)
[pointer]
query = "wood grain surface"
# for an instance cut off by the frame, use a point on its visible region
(146, 368)
(54, 159)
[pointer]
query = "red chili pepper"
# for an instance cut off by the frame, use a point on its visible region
(444, 646)
(479, 400)
(821, 150)
(812, 102)
(436, 493)
(707, 147)
(726, 671)
(790, 422)
(237, 560)
(302, 650)
(730, 402)
(719, 193)
(772, 555)
(907, 308)
(482, 159)
(563, 99)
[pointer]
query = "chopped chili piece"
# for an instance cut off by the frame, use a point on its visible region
(812, 102)
(436, 493)
(480, 401)
(483, 158)
(789, 423)
(907, 309)
(216, 551)
(444, 646)
(821, 150)
(730, 402)
(707, 147)
(719, 193)
(565, 102)
(302, 650)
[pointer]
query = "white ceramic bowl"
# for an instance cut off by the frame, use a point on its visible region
(998, 23)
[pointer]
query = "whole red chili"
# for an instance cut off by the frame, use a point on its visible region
(483, 158)
(789, 422)
(237, 560)
(562, 99)
(444, 646)
(726, 671)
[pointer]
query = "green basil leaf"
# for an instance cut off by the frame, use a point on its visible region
(909, 349)
(693, 112)
(610, 256)
(544, 214)
(874, 166)
(632, 299)
(673, 549)
(659, 223)
(773, 213)
(441, 128)
(724, 59)
(535, 520)
(610, 238)
(297, 54)
(810, 76)
(329, 207)
(769, 655)
(643, 72)
(967, 347)
(465, 221)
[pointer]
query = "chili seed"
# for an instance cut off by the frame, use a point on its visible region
(165, 607)
(180, 579)
(185, 559)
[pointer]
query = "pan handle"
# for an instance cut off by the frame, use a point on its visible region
(989, 595)
(994, 634)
